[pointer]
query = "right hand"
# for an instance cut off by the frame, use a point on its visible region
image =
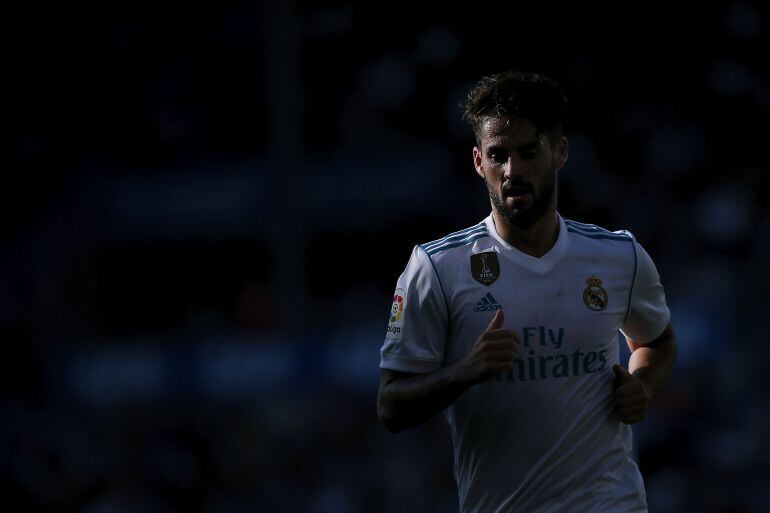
(492, 352)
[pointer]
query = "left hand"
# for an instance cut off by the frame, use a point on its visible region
(631, 396)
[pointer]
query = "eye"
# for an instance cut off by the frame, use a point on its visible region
(497, 156)
(528, 154)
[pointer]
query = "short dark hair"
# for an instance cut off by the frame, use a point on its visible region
(516, 94)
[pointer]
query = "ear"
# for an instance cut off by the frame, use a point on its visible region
(561, 152)
(477, 162)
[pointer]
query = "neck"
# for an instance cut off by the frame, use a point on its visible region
(536, 240)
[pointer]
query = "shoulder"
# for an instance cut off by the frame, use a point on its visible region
(614, 246)
(459, 240)
(592, 231)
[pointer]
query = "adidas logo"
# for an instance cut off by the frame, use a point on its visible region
(488, 303)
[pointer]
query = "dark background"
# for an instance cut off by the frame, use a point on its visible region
(205, 210)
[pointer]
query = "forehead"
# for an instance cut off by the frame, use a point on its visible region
(502, 132)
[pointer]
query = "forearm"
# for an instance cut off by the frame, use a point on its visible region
(410, 401)
(652, 363)
(407, 400)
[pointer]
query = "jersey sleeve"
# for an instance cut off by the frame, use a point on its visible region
(648, 314)
(417, 326)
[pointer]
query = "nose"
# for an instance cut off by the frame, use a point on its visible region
(513, 168)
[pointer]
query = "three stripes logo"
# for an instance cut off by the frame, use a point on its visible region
(488, 303)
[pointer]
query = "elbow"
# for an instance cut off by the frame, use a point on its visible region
(674, 350)
(392, 426)
(668, 345)
(386, 416)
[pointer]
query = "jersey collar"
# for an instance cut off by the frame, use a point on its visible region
(540, 265)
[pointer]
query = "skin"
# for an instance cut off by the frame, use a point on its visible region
(519, 165)
(648, 370)
(515, 155)
(406, 400)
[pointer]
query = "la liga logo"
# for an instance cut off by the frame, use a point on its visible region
(397, 310)
(396, 321)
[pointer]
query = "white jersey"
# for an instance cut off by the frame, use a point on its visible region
(541, 438)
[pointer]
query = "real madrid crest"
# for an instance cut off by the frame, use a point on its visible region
(594, 295)
(485, 267)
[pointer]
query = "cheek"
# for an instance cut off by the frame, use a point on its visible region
(495, 178)
(492, 181)
(493, 171)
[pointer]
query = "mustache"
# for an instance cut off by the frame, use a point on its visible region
(517, 187)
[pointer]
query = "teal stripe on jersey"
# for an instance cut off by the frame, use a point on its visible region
(585, 226)
(463, 242)
(631, 290)
(592, 228)
(454, 236)
(438, 278)
(600, 235)
(437, 247)
(588, 227)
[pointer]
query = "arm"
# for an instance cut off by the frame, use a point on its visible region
(650, 366)
(652, 363)
(406, 400)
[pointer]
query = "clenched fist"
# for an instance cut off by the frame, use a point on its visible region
(492, 352)
(631, 396)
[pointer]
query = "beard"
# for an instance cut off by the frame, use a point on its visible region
(520, 216)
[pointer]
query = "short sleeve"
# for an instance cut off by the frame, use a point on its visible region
(648, 314)
(417, 324)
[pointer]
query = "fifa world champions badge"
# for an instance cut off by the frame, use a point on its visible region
(396, 321)
(594, 295)
(485, 267)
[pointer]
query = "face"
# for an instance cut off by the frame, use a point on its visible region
(519, 166)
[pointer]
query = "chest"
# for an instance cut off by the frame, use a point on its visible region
(578, 305)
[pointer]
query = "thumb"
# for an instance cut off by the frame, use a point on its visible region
(621, 373)
(497, 320)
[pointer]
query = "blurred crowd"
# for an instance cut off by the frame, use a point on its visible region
(206, 212)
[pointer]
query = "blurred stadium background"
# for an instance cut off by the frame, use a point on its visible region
(205, 211)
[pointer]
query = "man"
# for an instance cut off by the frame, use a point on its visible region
(510, 327)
